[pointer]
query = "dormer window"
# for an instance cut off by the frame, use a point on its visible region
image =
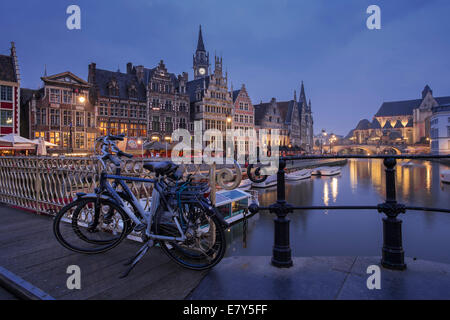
(113, 88)
(132, 92)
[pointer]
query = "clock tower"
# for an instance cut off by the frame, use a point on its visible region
(201, 58)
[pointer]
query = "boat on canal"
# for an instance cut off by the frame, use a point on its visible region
(445, 176)
(269, 182)
(245, 184)
(298, 175)
(326, 171)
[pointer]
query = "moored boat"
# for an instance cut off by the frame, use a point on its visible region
(445, 176)
(269, 182)
(326, 171)
(245, 184)
(298, 175)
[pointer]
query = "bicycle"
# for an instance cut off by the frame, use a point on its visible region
(181, 220)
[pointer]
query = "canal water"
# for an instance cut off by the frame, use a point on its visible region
(426, 235)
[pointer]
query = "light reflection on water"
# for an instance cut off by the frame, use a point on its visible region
(357, 232)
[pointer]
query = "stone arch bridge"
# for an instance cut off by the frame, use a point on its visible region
(368, 149)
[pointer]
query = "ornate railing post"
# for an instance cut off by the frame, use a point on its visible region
(393, 256)
(281, 249)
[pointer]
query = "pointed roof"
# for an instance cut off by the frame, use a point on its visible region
(426, 90)
(7, 71)
(398, 125)
(364, 124)
(200, 44)
(375, 124)
(302, 94)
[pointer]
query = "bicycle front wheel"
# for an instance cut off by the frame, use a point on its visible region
(91, 225)
(205, 245)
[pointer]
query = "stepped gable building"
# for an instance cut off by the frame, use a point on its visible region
(9, 93)
(293, 118)
(210, 100)
(167, 100)
(269, 116)
(244, 117)
(141, 103)
(62, 113)
(406, 121)
(121, 102)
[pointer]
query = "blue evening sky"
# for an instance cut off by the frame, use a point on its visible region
(270, 45)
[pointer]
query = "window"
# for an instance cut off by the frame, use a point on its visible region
(123, 111)
(55, 95)
(55, 137)
(123, 128)
(142, 130)
(169, 125)
(54, 117)
(90, 141)
(79, 118)
(183, 123)
(89, 120)
(65, 139)
(67, 97)
(168, 105)
(142, 112)
(41, 116)
(6, 118)
(155, 123)
(103, 128)
(6, 93)
(103, 110)
(114, 128)
(448, 132)
(39, 134)
(67, 117)
(133, 111)
(79, 140)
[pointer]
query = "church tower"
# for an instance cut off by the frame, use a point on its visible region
(201, 58)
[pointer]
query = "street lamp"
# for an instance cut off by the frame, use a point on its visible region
(82, 99)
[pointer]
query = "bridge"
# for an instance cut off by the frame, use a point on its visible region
(368, 149)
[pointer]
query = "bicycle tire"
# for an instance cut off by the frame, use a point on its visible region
(188, 259)
(97, 246)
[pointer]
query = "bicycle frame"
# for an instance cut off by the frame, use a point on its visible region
(158, 198)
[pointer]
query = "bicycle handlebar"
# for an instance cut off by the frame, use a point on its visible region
(108, 142)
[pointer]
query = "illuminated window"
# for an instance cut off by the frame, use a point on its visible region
(55, 137)
(6, 118)
(79, 140)
(39, 134)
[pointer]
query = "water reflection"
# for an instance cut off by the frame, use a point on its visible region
(350, 233)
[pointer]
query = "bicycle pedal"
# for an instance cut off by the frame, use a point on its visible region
(140, 227)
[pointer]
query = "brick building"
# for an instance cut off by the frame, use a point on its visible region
(244, 118)
(167, 100)
(9, 93)
(121, 102)
(62, 113)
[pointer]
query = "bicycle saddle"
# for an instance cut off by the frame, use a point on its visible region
(160, 167)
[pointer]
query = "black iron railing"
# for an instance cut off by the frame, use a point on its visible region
(392, 251)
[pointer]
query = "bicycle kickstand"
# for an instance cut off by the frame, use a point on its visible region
(139, 255)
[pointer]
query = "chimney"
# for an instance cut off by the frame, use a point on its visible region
(129, 67)
(16, 64)
(91, 73)
(140, 73)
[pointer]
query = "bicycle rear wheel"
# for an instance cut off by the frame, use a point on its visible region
(88, 225)
(205, 245)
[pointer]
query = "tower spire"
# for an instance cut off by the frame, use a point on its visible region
(200, 44)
